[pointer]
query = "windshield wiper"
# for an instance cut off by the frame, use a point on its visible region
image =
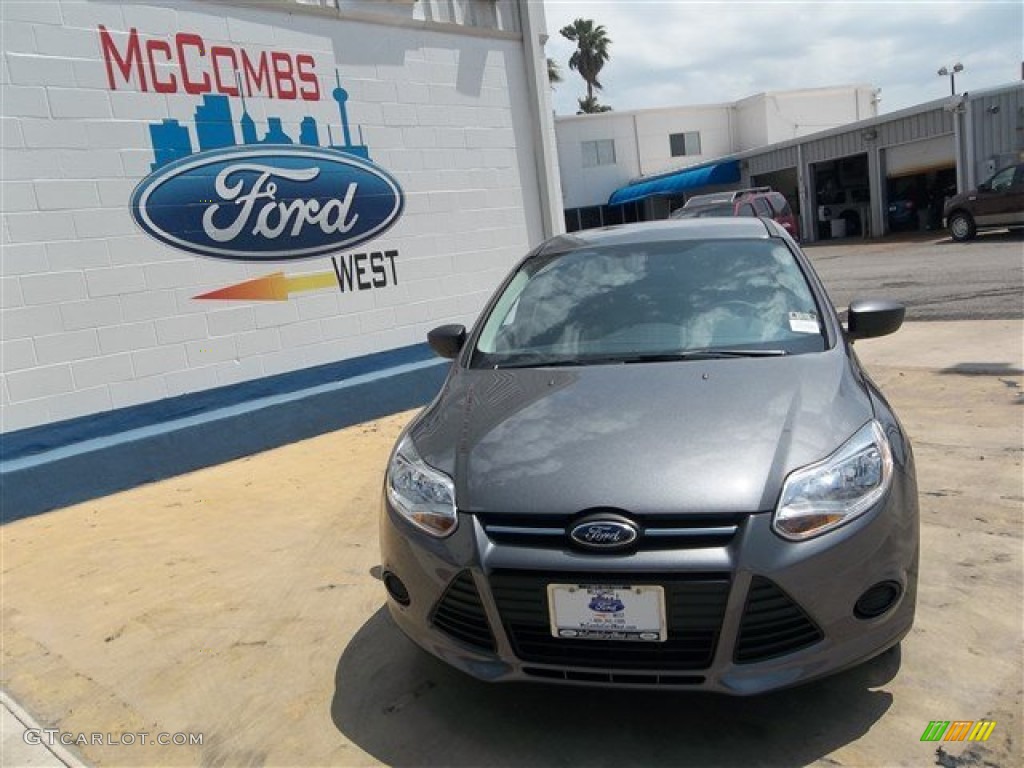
(702, 354)
(540, 362)
(712, 353)
(653, 357)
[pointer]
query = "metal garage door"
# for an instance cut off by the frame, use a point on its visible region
(920, 156)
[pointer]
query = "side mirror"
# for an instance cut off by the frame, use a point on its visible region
(870, 318)
(984, 187)
(447, 340)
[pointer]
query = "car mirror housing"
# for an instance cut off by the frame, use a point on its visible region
(870, 318)
(447, 340)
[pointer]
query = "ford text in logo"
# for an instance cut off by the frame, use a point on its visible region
(273, 203)
(604, 534)
(606, 602)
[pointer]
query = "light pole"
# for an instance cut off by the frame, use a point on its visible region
(958, 67)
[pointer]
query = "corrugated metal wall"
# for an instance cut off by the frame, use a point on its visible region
(775, 160)
(996, 130)
(935, 122)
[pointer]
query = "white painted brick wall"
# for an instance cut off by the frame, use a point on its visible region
(125, 338)
(64, 195)
(24, 102)
(150, 362)
(138, 391)
(35, 227)
(229, 322)
(38, 382)
(17, 355)
(29, 322)
(81, 402)
(115, 281)
(170, 330)
(96, 314)
(110, 368)
(77, 254)
(65, 347)
(93, 313)
(53, 288)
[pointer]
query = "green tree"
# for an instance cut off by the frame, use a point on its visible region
(590, 106)
(554, 72)
(590, 56)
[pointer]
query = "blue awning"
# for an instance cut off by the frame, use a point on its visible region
(727, 172)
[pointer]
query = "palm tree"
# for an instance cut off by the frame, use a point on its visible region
(554, 72)
(590, 55)
(590, 106)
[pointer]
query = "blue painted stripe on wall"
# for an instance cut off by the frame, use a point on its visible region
(106, 463)
(41, 439)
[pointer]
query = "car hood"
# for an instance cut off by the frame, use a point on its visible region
(715, 436)
(959, 199)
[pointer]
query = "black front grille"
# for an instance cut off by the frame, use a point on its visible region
(773, 624)
(694, 606)
(613, 678)
(656, 532)
(460, 613)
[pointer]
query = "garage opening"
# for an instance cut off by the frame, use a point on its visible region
(843, 197)
(920, 175)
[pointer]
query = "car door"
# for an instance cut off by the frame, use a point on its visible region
(997, 198)
(1015, 198)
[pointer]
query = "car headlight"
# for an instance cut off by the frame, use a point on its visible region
(423, 495)
(837, 490)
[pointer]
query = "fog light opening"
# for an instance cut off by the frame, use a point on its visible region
(877, 600)
(396, 588)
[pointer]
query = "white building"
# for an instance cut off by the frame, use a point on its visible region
(209, 203)
(598, 154)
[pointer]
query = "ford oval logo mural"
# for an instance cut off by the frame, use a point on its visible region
(604, 534)
(272, 203)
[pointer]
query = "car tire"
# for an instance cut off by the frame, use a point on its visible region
(961, 226)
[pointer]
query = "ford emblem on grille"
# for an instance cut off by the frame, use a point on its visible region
(604, 534)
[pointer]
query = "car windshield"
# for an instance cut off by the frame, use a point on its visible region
(652, 301)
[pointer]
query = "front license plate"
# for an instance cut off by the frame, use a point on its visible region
(607, 612)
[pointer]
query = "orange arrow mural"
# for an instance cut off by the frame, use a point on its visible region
(273, 287)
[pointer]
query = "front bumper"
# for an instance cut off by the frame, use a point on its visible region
(746, 616)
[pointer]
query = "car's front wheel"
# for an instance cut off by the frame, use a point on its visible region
(961, 226)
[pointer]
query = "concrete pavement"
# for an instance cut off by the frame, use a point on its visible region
(22, 740)
(237, 603)
(977, 346)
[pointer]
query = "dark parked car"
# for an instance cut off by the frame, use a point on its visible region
(903, 214)
(998, 202)
(756, 201)
(656, 461)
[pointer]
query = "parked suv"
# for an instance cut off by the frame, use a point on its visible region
(756, 201)
(998, 202)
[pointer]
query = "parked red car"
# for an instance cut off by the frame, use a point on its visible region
(756, 201)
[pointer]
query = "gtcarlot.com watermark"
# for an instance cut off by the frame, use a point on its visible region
(52, 737)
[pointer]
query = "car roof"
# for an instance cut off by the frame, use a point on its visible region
(728, 196)
(664, 230)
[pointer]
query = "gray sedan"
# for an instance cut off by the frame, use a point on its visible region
(656, 461)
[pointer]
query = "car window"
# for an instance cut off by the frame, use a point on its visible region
(762, 207)
(746, 209)
(1002, 180)
(703, 211)
(780, 204)
(623, 301)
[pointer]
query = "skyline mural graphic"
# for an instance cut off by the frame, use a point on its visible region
(215, 129)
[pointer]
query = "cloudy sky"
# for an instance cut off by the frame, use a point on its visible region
(678, 52)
